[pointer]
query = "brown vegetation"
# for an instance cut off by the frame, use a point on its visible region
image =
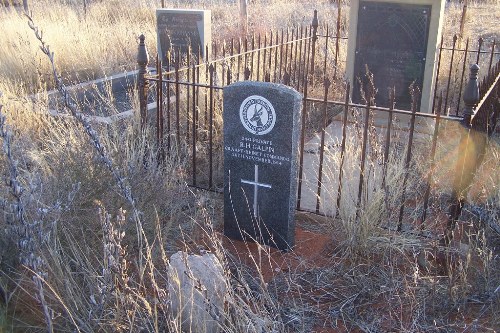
(89, 217)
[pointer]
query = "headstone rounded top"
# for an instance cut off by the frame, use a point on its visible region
(266, 86)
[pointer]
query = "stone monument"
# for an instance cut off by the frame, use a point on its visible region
(178, 29)
(261, 145)
(397, 40)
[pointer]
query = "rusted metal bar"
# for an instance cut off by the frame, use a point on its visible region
(463, 17)
(188, 91)
(211, 129)
(342, 146)
(493, 44)
(276, 58)
(384, 109)
(322, 145)
(177, 101)
(302, 139)
(169, 62)
(197, 81)
(195, 127)
(337, 38)
(207, 79)
(415, 97)
(229, 76)
(480, 45)
(467, 156)
(305, 62)
(449, 75)
(239, 61)
(300, 58)
(158, 101)
(224, 65)
(295, 59)
(392, 94)
(258, 58)
(281, 57)
(142, 83)
(231, 60)
(432, 162)
(489, 87)
(252, 57)
(437, 74)
(286, 52)
(159, 110)
(471, 50)
(245, 48)
(270, 57)
(326, 51)
(264, 57)
(364, 148)
(463, 75)
(314, 26)
(215, 50)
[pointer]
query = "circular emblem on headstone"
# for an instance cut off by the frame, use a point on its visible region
(257, 115)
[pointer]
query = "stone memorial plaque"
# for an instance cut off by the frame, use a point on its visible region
(261, 143)
(397, 40)
(180, 28)
(392, 42)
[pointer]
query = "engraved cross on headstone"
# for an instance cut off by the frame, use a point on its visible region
(256, 186)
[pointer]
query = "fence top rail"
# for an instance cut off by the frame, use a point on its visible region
(332, 36)
(186, 83)
(379, 108)
(487, 94)
(481, 51)
(228, 57)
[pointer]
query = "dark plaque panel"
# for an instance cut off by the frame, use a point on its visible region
(392, 42)
(178, 31)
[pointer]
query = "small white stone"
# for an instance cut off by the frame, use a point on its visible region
(197, 288)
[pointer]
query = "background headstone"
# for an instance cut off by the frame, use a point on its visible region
(398, 41)
(181, 28)
(261, 139)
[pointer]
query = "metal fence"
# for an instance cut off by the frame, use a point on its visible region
(333, 176)
(454, 59)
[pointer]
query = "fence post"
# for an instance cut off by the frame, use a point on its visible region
(142, 83)
(244, 17)
(463, 18)
(471, 148)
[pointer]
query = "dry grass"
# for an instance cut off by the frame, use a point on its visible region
(83, 257)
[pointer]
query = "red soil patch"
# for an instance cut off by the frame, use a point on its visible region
(309, 251)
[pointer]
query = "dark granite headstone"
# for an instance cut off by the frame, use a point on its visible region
(178, 29)
(392, 41)
(261, 143)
